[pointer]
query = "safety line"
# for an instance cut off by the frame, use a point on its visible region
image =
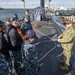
(50, 49)
(72, 72)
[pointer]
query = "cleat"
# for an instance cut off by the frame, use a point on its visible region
(37, 26)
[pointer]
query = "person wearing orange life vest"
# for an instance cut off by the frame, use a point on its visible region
(15, 42)
(19, 30)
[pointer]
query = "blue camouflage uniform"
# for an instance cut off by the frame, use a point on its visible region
(4, 67)
(25, 27)
(30, 58)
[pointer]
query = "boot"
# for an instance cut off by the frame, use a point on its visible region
(66, 67)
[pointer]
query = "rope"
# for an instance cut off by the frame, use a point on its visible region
(50, 49)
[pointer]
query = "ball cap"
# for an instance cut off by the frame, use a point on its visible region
(30, 33)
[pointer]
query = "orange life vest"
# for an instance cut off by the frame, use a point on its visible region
(19, 31)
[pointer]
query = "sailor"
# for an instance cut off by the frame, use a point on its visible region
(26, 26)
(27, 15)
(4, 67)
(30, 54)
(4, 52)
(15, 16)
(7, 23)
(15, 41)
(4, 46)
(18, 29)
(67, 40)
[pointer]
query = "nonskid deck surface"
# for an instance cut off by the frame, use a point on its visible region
(49, 50)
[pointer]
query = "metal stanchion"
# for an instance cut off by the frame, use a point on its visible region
(49, 12)
(24, 3)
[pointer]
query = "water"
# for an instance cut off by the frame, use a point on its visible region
(8, 13)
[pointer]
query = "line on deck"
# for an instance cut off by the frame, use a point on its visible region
(50, 49)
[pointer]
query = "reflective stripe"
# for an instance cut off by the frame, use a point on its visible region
(19, 31)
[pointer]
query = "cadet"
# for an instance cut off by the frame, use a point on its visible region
(30, 54)
(4, 67)
(26, 26)
(67, 40)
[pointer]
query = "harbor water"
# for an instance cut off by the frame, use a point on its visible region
(8, 13)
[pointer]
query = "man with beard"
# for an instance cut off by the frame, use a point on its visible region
(15, 42)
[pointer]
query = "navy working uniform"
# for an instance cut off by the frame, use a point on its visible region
(4, 46)
(4, 67)
(26, 26)
(30, 55)
(27, 15)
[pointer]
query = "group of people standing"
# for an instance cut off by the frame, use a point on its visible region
(16, 39)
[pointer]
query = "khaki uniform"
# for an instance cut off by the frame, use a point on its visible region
(67, 40)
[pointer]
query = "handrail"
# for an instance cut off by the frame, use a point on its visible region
(61, 25)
